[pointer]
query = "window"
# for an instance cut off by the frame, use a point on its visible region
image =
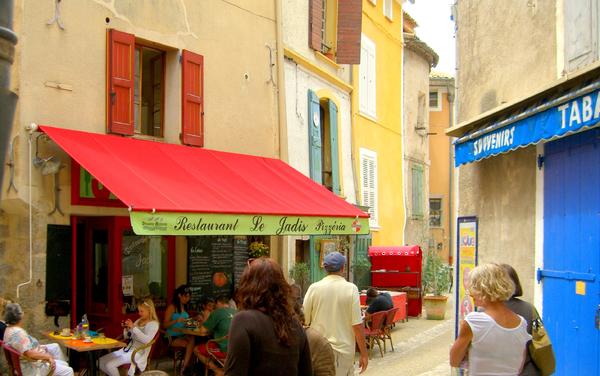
(421, 124)
(417, 191)
(135, 89)
(435, 102)
(368, 178)
(388, 9)
(435, 212)
(148, 93)
(367, 84)
(334, 29)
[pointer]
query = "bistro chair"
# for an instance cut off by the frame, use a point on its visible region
(374, 331)
(13, 358)
(150, 355)
(218, 357)
(176, 353)
(390, 321)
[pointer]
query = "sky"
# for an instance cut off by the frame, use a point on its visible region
(436, 29)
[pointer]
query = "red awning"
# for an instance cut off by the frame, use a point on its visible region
(405, 250)
(148, 175)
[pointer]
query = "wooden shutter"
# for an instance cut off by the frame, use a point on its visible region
(581, 33)
(349, 31)
(192, 99)
(120, 85)
(333, 139)
(315, 142)
(315, 24)
(368, 172)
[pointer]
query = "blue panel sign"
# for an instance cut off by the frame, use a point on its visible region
(566, 116)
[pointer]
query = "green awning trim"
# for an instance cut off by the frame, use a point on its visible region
(170, 223)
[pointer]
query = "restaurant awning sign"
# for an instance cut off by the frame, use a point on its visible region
(197, 191)
(224, 224)
(569, 113)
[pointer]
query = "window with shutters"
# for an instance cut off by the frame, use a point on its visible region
(435, 101)
(334, 29)
(136, 85)
(435, 212)
(367, 75)
(388, 9)
(417, 191)
(368, 178)
(581, 33)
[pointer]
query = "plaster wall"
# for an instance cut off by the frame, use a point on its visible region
(505, 49)
(415, 142)
(235, 38)
(440, 170)
(383, 133)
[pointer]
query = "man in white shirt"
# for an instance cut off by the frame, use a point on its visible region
(332, 307)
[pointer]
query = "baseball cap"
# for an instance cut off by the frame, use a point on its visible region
(334, 262)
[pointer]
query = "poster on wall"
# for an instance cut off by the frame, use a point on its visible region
(466, 260)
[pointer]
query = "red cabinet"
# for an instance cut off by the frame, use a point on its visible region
(399, 269)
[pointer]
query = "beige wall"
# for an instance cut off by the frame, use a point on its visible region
(441, 168)
(240, 113)
(501, 191)
(416, 146)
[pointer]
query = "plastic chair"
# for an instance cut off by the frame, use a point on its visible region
(374, 331)
(13, 358)
(390, 316)
(217, 356)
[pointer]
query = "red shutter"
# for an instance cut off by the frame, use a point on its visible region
(120, 85)
(315, 24)
(192, 100)
(349, 30)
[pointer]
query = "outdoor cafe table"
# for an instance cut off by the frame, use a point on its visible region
(91, 349)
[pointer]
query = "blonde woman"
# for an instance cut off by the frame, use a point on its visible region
(139, 333)
(495, 339)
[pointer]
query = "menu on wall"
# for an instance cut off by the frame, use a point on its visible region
(215, 264)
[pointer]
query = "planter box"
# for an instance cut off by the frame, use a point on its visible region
(435, 307)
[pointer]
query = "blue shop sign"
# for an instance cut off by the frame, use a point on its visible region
(556, 118)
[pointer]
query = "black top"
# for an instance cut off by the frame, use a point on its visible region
(254, 348)
(525, 310)
(2, 329)
(382, 302)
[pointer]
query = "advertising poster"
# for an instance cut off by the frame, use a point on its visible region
(466, 260)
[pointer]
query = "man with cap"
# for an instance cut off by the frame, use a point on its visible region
(332, 307)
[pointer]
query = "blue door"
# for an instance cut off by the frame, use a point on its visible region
(571, 276)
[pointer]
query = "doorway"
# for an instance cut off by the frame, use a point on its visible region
(115, 269)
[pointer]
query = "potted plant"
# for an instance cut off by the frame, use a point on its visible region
(258, 249)
(300, 273)
(361, 273)
(436, 282)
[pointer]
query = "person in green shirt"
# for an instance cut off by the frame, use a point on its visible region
(217, 324)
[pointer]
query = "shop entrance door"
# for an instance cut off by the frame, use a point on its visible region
(571, 274)
(115, 269)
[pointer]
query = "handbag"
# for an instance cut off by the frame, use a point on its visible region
(540, 347)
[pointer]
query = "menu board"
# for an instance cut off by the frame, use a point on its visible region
(215, 264)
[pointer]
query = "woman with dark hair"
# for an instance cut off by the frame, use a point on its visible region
(266, 337)
(525, 310)
(175, 317)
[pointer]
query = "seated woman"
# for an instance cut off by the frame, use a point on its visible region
(139, 333)
(17, 338)
(175, 317)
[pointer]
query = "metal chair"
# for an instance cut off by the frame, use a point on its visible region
(13, 358)
(374, 331)
(217, 356)
(150, 355)
(390, 320)
(176, 353)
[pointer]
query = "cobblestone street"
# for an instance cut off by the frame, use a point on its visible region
(420, 348)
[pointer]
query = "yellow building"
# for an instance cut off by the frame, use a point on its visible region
(377, 120)
(441, 102)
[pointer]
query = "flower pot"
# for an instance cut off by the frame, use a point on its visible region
(435, 307)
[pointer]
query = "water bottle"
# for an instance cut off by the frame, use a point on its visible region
(85, 326)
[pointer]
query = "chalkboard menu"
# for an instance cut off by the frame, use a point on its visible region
(215, 264)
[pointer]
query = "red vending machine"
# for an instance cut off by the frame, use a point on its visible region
(399, 269)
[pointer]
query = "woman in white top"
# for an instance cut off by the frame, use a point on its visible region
(139, 333)
(495, 340)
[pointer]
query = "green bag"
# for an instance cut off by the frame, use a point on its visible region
(540, 347)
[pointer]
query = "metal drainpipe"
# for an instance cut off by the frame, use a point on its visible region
(451, 167)
(8, 99)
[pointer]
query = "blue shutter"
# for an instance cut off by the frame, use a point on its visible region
(333, 132)
(314, 138)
